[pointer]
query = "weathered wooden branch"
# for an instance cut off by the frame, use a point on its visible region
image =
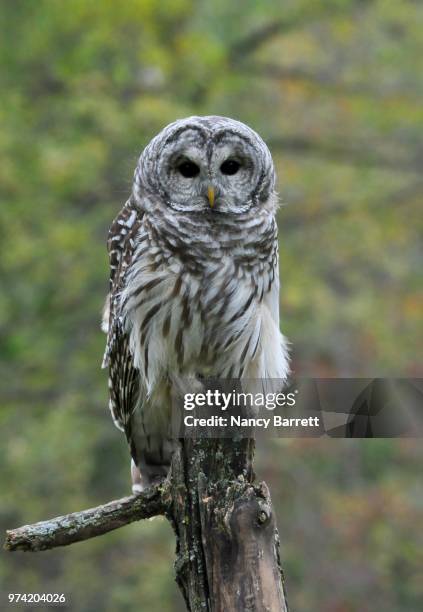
(227, 550)
(77, 526)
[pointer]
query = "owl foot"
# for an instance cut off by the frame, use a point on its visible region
(137, 484)
(141, 481)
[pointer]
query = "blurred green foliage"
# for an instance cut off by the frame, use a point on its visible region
(334, 89)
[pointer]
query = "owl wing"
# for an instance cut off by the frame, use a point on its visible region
(123, 376)
(275, 354)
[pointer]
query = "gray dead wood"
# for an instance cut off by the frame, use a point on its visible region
(227, 545)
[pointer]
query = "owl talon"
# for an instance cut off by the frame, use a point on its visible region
(137, 485)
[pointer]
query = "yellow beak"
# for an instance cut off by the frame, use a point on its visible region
(210, 195)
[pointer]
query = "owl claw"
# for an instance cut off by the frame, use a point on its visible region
(137, 488)
(141, 481)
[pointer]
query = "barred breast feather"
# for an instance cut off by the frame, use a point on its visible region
(187, 300)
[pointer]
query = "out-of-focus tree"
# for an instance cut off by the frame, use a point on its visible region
(334, 88)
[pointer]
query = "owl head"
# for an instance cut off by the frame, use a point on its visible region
(207, 165)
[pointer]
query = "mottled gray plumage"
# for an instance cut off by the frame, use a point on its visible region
(194, 285)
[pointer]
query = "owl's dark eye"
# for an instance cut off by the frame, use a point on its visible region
(230, 166)
(188, 169)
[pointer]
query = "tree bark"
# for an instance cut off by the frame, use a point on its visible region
(78, 526)
(227, 541)
(227, 548)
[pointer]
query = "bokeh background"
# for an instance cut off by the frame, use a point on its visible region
(335, 89)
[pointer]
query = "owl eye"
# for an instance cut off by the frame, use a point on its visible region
(230, 166)
(188, 169)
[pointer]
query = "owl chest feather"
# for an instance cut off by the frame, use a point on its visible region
(201, 312)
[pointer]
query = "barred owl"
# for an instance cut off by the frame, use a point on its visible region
(194, 285)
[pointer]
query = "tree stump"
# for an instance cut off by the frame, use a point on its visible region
(227, 546)
(227, 542)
